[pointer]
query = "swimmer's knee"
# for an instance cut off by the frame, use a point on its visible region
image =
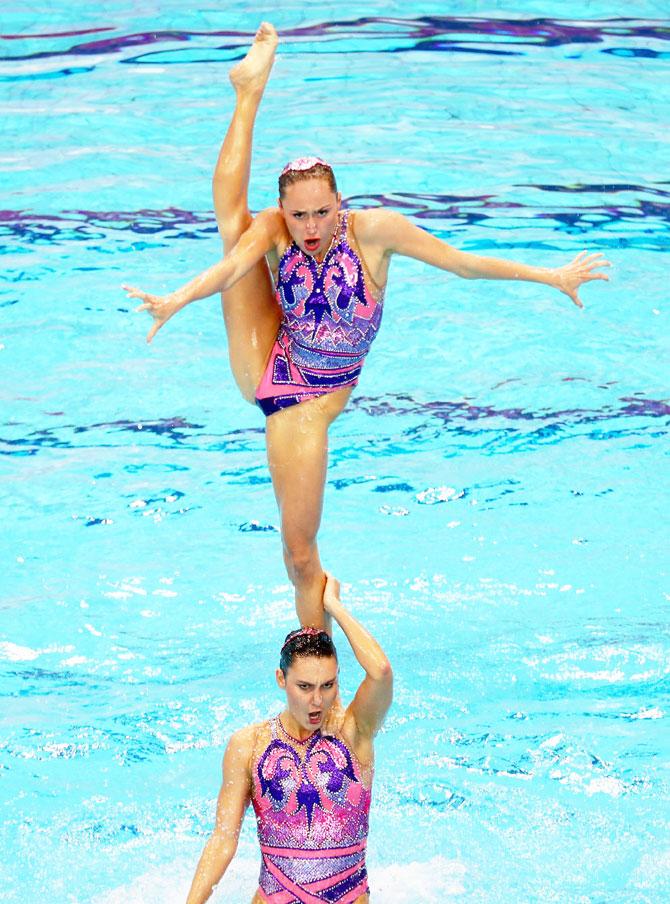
(301, 558)
(234, 224)
(231, 233)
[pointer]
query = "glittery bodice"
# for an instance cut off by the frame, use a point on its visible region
(329, 311)
(312, 812)
(309, 797)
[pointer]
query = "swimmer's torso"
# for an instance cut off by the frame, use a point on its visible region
(330, 317)
(312, 802)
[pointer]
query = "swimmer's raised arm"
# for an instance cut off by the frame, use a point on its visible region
(396, 235)
(260, 239)
(373, 697)
(233, 801)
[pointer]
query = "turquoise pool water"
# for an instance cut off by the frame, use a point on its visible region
(497, 495)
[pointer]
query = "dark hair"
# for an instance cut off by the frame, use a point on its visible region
(299, 644)
(318, 171)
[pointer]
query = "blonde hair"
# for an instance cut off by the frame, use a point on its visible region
(318, 171)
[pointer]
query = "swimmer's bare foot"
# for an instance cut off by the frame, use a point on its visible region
(251, 74)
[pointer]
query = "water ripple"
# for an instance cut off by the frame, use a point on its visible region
(642, 220)
(494, 36)
(456, 418)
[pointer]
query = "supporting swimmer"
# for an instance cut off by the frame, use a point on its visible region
(307, 772)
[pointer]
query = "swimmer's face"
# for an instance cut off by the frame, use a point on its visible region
(310, 210)
(311, 689)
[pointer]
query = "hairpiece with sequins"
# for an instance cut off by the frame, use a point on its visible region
(304, 163)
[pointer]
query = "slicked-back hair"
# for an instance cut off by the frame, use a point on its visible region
(318, 171)
(300, 645)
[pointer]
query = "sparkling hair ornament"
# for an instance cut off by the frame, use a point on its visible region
(304, 168)
(300, 164)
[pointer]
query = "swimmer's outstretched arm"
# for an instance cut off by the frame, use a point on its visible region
(259, 239)
(233, 801)
(375, 692)
(397, 235)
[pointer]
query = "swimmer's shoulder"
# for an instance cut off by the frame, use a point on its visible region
(377, 226)
(242, 745)
(272, 216)
(272, 221)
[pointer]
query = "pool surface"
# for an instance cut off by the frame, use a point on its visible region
(497, 494)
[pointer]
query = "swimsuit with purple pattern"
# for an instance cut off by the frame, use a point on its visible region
(312, 815)
(329, 322)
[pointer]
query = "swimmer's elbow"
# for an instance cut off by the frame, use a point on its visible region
(221, 848)
(383, 672)
(464, 265)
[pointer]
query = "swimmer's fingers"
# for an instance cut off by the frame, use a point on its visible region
(575, 298)
(592, 261)
(331, 592)
(584, 263)
(134, 292)
(154, 329)
(584, 268)
(148, 300)
(161, 316)
(159, 306)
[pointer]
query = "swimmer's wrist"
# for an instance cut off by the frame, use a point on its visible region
(547, 276)
(555, 278)
(212, 280)
(333, 606)
(178, 300)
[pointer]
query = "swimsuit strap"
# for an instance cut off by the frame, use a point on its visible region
(343, 226)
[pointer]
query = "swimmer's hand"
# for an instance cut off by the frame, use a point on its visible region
(161, 307)
(331, 594)
(584, 268)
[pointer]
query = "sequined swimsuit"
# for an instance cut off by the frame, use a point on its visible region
(330, 319)
(312, 815)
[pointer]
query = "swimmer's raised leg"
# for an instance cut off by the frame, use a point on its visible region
(296, 439)
(297, 451)
(250, 311)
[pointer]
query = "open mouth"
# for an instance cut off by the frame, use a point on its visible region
(314, 718)
(312, 244)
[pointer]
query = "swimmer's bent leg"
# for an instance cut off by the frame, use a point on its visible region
(250, 312)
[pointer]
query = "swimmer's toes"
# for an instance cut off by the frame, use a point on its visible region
(267, 32)
(253, 71)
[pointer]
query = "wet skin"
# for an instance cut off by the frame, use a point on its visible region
(310, 210)
(311, 689)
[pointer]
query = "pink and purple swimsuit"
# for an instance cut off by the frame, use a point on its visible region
(330, 319)
(312, 813)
